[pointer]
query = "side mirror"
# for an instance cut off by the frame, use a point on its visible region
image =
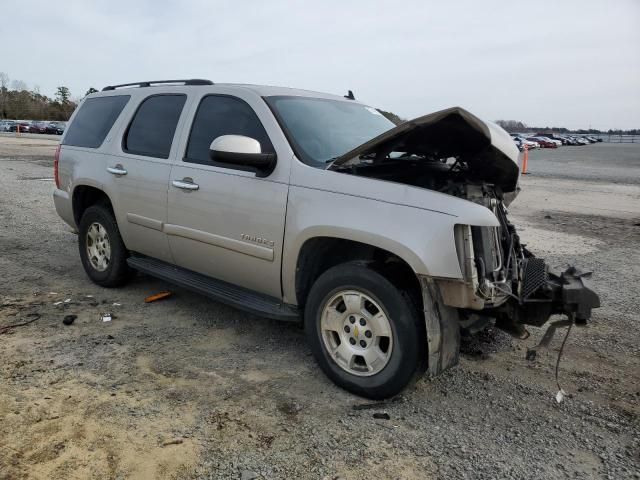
(242, 151)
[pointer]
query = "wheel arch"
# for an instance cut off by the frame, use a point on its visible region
(84, 196)
(319, 253)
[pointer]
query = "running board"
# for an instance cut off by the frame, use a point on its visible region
(238, 297)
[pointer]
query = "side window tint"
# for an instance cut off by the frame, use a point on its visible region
(93, 121)
(153, 126)
(221, 115)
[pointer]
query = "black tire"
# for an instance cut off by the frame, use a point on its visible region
(117, 272)
(408, 356)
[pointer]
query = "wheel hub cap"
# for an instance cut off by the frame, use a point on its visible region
(356, 332)
(98, 247)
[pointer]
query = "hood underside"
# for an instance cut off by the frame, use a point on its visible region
(486, 149)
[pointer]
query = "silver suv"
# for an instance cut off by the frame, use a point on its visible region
(385, 241)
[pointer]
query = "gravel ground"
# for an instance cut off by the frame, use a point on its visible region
(188, 388)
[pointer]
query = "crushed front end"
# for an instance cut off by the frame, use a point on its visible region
(505, 281)
(453, 152)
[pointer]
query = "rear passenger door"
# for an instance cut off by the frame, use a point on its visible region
(231, 227)
(140, 173)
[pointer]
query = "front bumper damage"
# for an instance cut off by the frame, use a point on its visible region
(546, 293)
(525, 293)
(569, 293)
(577, 295)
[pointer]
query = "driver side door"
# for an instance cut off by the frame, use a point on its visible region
(224, 221)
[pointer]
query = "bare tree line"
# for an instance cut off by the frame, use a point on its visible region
(18, 102)
(516, 126)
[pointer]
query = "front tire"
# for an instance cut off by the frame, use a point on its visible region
(365, 333)
(102, 251)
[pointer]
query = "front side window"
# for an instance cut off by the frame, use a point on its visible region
(219, 115)
(323, 129)
(93, 121)
(153, 126)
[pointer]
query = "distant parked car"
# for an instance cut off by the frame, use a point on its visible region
(519, 144)
(556, 141)
(5, 125)
(56, 128)
(553, 140)
(552, 136)
(38, 127)
(573, 141)
(543, 142)
(591, 139)
(530, 144)
(24, 126)
(583, 141)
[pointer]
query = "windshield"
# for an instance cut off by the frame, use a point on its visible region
(321, 130)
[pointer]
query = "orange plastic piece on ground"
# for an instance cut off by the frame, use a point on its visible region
(157, 296)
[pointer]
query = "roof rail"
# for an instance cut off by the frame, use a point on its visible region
(192, 81)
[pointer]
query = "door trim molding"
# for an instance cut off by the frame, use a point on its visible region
(258, 251)
(144, 221)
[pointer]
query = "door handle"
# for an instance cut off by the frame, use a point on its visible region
(117, 170)
(185, 184)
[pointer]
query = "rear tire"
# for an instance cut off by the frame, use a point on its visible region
(365, 333)
(102, 251)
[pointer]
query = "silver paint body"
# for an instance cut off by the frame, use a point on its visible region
(248, 230)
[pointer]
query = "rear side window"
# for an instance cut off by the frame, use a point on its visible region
(93, 121)
(153, 126)
(223, 115)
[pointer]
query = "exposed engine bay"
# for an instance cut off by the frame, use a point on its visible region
(455, 153)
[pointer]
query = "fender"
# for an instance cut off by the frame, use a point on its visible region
(422, 237)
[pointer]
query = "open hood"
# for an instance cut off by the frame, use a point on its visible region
(487, 150)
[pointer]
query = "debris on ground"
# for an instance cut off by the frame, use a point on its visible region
(382, 416)
(106, 317)
(5, 329)
(372, 405)
(175, 441)
(69, 319)
(157, 296)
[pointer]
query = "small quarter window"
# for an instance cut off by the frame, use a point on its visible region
(153, 126)
(93, 121)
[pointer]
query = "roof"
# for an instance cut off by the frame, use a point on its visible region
(272, 91)
(261, 90)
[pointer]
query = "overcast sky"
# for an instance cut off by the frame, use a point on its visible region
(569, 63)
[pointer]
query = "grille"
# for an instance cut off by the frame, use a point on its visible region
(535, 276)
